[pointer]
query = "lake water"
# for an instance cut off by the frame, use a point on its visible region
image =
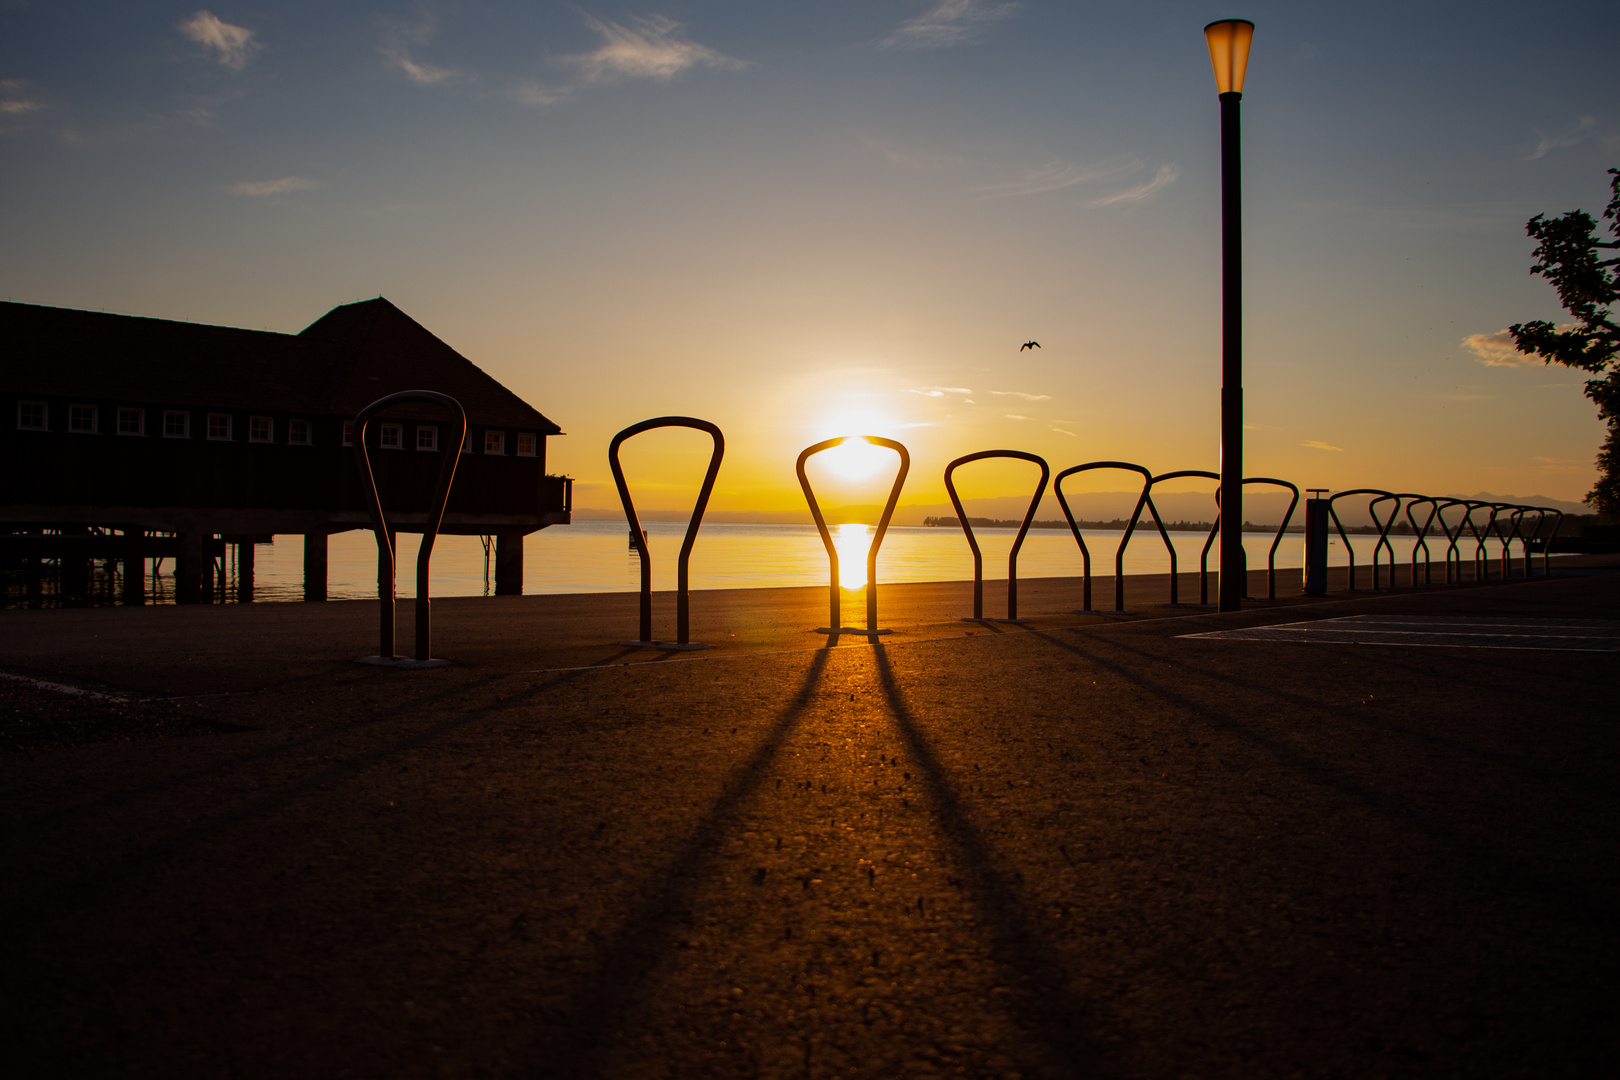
(594, 556)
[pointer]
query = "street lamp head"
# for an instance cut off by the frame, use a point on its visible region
(1229, 52)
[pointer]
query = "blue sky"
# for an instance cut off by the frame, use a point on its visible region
(801, 220)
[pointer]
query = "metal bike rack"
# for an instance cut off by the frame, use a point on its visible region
(385, 536)
(1380, 496)
(638, 536)
(1482, 557)
(1453, 534)
(1276, 541)
(1119, 555)
(1203, 555)
(1515, 517)
(835, 621)
(1012, 559)
(1383, 536)
(1421, 532)
(1503, 522)
(1546, 547)
(1524, 541)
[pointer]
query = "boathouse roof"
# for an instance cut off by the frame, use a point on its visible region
(351, 356)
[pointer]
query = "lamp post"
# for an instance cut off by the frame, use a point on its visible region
(1229, 54)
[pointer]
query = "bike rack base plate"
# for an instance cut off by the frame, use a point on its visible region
(846, 630)
(1088, 611)
(401, 662)
(1201, 607)
(671, 646)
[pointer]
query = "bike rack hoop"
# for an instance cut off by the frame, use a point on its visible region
(1271, 555)
(834, 625)
(1379, 495)
(683, 615)
(1203, 555)
(1119, 554)
(1029, 516)
(430, 529)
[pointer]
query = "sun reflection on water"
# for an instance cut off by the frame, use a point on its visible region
(852, 541)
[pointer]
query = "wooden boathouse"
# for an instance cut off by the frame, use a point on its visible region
(131, 439)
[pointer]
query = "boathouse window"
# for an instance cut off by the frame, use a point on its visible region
(298, 432)
(525, 444)
(176, 424)
(31, 415)
(348, 433)
(131, 421)
(427, 438)
(467, 441)
(393, 437)
(494, 442)
(261, 429)
(82, 419)
(219, 426)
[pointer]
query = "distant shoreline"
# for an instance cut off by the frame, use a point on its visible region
(1113, 524)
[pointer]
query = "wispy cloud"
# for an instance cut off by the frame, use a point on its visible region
(1132, 197)
(948, 23)
(399, 38)
(537, 95)
(1014, 416)
(1020, 393)
(230, 45)
(1314, 445)
(14, 100)
(649, 47)
(1056, 175)
(1585, 128)
(939, 391)
(1498, 350)
(1060, 431)
(913, 158)
(1004, 180)
(1561, 465)
(260, 188)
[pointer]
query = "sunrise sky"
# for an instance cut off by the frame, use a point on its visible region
(805, 220)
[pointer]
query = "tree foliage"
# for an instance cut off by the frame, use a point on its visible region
(1568, 255)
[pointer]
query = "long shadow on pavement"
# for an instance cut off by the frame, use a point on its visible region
(1042, 998)
(1575, 901)
(608, 995)
(84, 886)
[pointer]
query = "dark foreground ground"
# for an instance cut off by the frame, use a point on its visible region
(1083, 847)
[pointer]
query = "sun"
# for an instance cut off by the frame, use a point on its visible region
(857, 459)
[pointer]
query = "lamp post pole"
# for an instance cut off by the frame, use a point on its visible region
(1229, 53)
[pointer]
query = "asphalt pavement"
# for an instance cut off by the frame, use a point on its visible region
(1078, 846)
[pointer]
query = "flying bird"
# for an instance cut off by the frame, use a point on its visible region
(1029, 345)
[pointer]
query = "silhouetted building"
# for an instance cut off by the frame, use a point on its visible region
(179, 437)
